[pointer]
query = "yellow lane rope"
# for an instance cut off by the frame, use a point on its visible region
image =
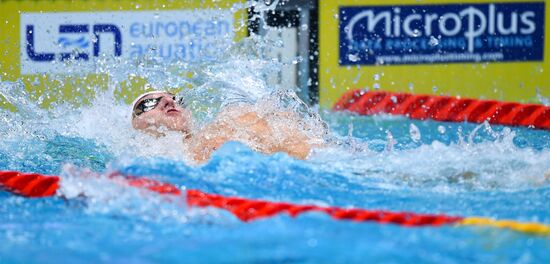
(525, 227)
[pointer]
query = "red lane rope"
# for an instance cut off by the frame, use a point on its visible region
(248, 210)
(29, 184)
(36, 185)
(149, 184)
(445, 108)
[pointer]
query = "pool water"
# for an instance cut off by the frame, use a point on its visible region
(380, 162)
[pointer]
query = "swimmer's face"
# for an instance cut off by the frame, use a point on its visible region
(161, 110)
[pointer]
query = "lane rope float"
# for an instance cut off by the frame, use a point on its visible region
(34, 185)
(445, 108)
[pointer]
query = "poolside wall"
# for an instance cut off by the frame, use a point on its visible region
(481, 51)
(38, 38)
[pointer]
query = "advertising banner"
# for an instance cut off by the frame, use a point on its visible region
(42, 39)
(185, 35)
(491, 50)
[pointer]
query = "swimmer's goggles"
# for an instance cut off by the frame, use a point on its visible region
(149, 104)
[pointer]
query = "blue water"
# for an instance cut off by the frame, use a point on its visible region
(376, 163)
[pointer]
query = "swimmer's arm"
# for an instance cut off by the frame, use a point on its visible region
(244, 127)
(253, 128)
(224, 129)
(288, 138)
(209, 139)
(291, 135)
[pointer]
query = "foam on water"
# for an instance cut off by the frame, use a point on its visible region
(383, 162)
(482, 159)
(494, 162)
(105, 195)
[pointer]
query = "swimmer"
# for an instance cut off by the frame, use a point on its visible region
(266, 131)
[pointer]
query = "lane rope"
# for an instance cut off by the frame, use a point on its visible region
(34, 185)
(445, 108)
(529, 228)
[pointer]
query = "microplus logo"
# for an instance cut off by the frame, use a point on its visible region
(442, 33)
